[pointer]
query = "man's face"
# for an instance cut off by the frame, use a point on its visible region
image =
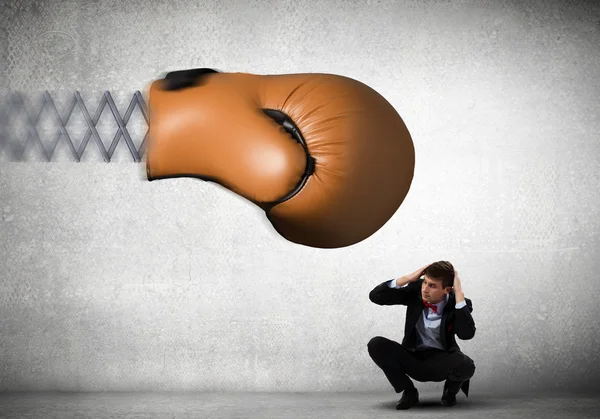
(432, 291)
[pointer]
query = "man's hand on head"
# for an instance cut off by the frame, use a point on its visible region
(458, 291)
(413, 277)
(457, 285)
(419, 273)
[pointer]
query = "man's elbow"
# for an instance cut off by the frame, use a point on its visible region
(467, 334)
(374, 298)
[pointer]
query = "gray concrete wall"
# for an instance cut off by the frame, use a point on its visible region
(109, 282)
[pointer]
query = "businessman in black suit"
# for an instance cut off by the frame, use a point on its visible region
(436, 312)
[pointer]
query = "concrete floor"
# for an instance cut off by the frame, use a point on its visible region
(288, 405)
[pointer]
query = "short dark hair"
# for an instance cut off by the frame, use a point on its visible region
(442, 270)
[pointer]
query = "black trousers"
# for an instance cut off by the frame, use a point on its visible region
(398, 364)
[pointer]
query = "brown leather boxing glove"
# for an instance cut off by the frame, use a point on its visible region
(326, 157)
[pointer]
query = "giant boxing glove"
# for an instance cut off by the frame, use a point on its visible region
(326, 157)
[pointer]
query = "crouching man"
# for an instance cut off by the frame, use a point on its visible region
(436, 312)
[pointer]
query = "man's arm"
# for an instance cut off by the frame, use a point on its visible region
(397, 291)
(464, 324)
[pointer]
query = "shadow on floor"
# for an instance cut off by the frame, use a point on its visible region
(432, 403)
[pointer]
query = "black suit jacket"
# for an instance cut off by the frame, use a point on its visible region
(455, 323)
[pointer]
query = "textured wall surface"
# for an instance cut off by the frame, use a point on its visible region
(109, 282)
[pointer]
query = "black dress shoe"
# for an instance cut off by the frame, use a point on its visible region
(410, 397)
(448, 398)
